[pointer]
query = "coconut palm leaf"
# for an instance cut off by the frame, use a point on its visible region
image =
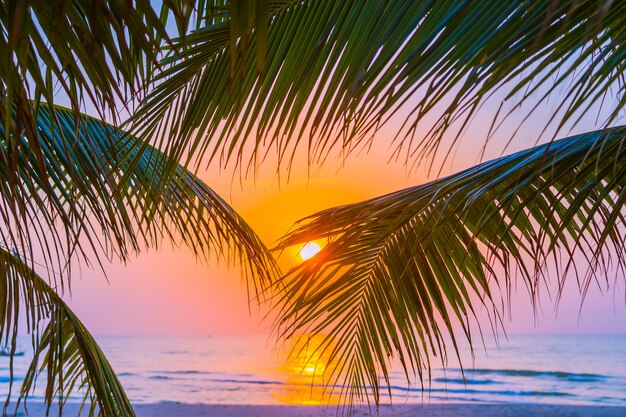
(65, 351)
(105, 199)
(84, 54)
(335, 72)
(92, 52)
(402, 273)
(72, 52)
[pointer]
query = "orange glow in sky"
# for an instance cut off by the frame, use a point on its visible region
(167, 291)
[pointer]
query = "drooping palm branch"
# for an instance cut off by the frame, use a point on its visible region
(65, 350)
(95, 55)
(400, 271)
(82, 53)
(138, 210)
(70, 52)
(335, 72)
(114, 202)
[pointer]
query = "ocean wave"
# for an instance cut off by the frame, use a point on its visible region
(569, 376)
(172, 376)
(249, 381)
(544, 394)
(461, 399)
(187, 372)
(466, 381)
(609, 400)
(510, 393)
(7, 379)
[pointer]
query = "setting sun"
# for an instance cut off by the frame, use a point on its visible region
(309, 250)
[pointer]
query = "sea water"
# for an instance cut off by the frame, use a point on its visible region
(566, 369)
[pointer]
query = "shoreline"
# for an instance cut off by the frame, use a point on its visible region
(168, 409)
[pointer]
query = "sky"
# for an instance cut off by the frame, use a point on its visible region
(170, 292)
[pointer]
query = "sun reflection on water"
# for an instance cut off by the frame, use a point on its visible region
(306, 372)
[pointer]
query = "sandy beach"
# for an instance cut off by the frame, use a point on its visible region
(436, 410)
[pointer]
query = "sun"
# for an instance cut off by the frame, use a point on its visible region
(309, 250)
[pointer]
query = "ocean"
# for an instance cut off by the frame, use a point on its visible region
(549, 369)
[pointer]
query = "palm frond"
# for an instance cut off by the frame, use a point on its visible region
(94, 55)
(65, 350)
(105, 198)
(401, 270)
(79, 52)
(334, 73)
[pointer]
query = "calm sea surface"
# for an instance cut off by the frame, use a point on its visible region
(576, 369)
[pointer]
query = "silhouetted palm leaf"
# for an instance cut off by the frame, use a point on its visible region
(65, 350)
(116, 201)
(400, 270)
(105, 195)
(72, 51)
(336, 71)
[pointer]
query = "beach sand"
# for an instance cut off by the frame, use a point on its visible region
(435, 410)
